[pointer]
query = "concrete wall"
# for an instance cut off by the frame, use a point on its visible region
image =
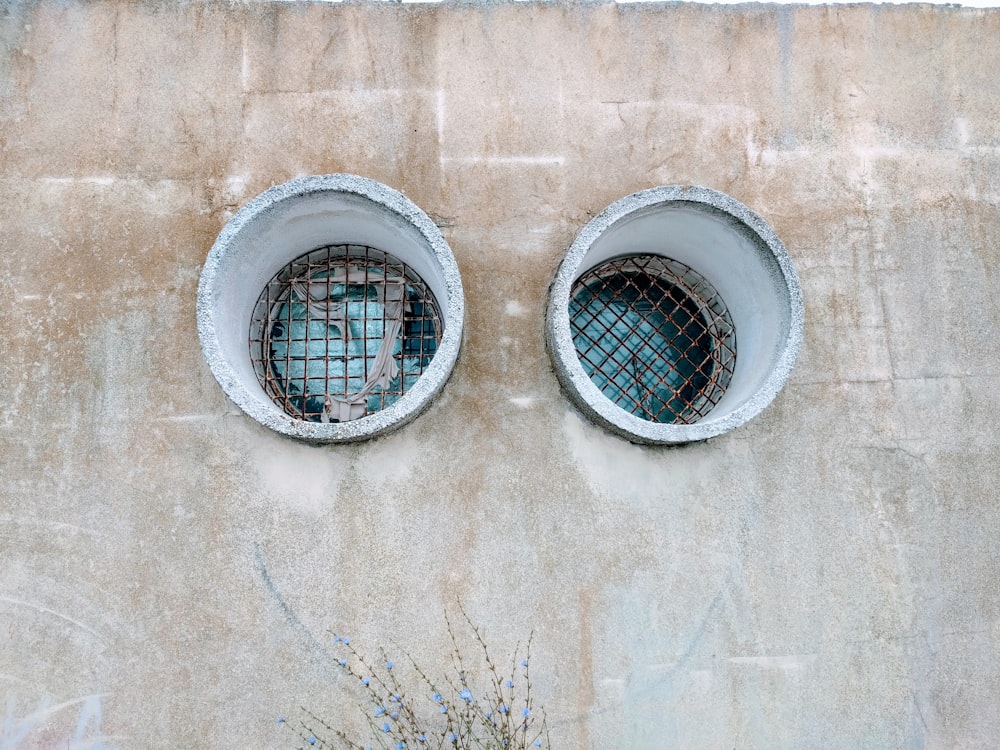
(826, 576)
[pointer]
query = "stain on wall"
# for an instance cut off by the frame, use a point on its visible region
(825, 576)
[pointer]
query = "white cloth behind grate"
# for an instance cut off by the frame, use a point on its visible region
(391, 292)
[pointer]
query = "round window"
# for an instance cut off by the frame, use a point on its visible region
(675, 316)
(343, 332)
(350, 301)
(654, 336)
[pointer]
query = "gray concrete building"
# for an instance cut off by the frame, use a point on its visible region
(823, 575)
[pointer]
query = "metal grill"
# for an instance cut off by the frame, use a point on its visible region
(654, 336)
(341, 332)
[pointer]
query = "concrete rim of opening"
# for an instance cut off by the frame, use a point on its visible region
(280, 225)
(741, 257)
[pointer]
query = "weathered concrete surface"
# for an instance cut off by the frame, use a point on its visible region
(826, 576)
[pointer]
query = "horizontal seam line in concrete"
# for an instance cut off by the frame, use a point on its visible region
(894, 379)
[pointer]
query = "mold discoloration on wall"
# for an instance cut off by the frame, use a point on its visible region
(822, 576)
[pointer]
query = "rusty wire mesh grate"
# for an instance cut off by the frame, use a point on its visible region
(341, 332)
(654, 336)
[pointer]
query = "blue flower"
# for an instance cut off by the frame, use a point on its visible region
(526, 713)
(453, 737)
(281, 719)
(538, 743)
(510, 683)
(524, 662)
(400, 746)
(394, 714)
(343, 662)
(422, 737)
(345, 641)
(336, 639)
(489, 714)
(466, 696)
(312, 740)
(389, 665)
(365, 681)
(444, 709)
(504, 709)
(386, 727)
(437, 697)
(379, 711)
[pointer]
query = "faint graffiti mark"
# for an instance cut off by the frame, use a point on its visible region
(46, 610)
(87, 734)
(288, 612)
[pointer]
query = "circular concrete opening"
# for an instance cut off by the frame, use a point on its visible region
(330, 309)
(675, 316)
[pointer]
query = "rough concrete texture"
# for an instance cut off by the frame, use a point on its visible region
(824, 576)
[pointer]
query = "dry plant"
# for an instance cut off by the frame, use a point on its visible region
(470, 706)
